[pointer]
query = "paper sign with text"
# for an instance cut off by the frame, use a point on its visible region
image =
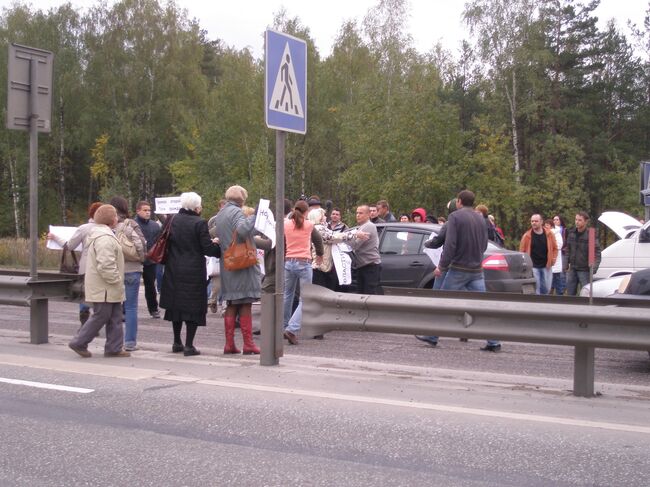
(168, 205)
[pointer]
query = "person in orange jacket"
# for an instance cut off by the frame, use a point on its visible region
(540, 244)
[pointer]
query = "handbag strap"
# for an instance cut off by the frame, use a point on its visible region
(167, 228)
(233, 241)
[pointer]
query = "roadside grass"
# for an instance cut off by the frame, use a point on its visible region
(14, 254)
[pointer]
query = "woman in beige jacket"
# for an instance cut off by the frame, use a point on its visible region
(103, 287)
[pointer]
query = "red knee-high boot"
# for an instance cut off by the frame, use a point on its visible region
(246, 323)
(229, 327)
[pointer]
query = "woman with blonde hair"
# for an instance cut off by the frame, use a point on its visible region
(240, 288)
(325, 273)
(184, 290)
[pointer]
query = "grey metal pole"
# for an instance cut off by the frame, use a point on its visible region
(38, 309)
(272, 349)
(33, 170)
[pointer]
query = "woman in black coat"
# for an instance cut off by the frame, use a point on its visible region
(184, 289)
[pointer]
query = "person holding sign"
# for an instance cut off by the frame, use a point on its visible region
(325, 273)
(103, 287)
(79, 237)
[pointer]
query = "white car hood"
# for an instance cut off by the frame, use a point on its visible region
(621, 224)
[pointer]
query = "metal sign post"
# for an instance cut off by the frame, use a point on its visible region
(285, 109)
(29, 106)
(592, 262)
(645, 188)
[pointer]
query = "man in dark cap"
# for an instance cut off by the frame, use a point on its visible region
(313, 202)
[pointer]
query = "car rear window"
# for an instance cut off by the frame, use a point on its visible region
(401, 242)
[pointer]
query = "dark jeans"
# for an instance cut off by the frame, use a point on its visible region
(149, 278)
(559, 283)
(368, 279)
(573, 278)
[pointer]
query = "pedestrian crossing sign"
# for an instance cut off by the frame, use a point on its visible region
(285, 93)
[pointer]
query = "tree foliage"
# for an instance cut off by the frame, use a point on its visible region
(540, 111)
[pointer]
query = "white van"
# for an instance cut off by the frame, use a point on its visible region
(629, 254)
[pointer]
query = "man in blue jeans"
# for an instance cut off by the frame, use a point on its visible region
(462, 255)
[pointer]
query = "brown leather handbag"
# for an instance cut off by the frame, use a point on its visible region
(239, 255)
(158, 251)
(69, 262)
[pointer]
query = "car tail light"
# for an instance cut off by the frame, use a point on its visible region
(495, 262)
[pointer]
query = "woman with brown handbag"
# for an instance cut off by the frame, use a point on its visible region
(241, 287)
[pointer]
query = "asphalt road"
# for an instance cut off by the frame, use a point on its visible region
(353, 409)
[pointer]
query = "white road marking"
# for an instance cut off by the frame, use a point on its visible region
(630, 428)
(44, 385)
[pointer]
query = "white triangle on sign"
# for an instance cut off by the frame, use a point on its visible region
(286, 98)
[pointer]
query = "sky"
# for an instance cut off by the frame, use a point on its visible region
(242, 23)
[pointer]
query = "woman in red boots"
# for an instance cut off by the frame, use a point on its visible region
(243, 287)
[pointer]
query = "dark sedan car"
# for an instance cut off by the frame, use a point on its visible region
(404, 262)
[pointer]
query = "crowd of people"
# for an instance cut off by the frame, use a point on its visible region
(114, 246)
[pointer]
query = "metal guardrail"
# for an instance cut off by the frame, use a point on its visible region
(616, 300)
(17, 288)
(582, 326)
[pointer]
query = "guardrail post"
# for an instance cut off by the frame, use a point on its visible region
(38, 325)
(583, 371)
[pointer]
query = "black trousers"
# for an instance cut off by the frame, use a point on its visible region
(326, 279)
(149, 278)
(368, 279)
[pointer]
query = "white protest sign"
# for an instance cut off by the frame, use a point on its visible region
(168, 205)
(64, 234)
(342, 264)
(265, 221)
(434, 254)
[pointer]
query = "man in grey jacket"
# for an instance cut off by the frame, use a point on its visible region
(462, 254)
(367, 261)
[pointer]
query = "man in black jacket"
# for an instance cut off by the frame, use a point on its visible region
(150, 230)
(578, 254)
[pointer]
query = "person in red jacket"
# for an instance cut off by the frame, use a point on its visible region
(540, 244)
(419, 215)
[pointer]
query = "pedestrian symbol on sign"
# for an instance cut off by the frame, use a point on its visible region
(286, 98)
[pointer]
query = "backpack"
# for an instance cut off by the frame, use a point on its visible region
(128, 247)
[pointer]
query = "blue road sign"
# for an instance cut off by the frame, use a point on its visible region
(285, 87)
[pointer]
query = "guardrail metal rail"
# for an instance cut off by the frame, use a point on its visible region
(608, 323)
(17, 288)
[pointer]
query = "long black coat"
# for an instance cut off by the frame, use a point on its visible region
(184, 282)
